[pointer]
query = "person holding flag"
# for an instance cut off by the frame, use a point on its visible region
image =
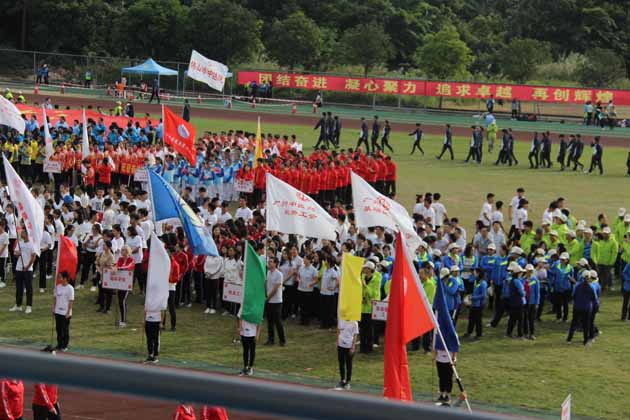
(63, 301)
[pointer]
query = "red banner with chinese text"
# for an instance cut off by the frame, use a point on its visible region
(507, 92)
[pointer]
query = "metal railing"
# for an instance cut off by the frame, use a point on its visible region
(254, 396)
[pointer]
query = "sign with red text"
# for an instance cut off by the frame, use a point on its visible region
(118, 280)
(52, 166)
(232, 292)
(141, 175)
(243, 185)
(466, 90)
(207, 71)
(379, 310)
(289, 210)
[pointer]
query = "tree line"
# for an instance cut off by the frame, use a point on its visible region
(585, 41)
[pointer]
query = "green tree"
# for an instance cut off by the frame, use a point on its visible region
(366, 45)
(444, 55)
(225, 31)
(601, 67)
(153, 28)
(518, 59)
(295, 40)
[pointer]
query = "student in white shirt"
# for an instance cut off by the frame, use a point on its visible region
(63, 300)
(307, 277)
(4, 252)
(274, 302)
(249, 335)
(45, 251)
(328, 292)
(90, 246)
(520, 193)
(25, 258)
(486, 210)
(347, 332)
(243, 212)
(134, 241)
(439, 210)
(12, 231)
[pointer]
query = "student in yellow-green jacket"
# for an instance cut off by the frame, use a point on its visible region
(371, 280)
(607, 249)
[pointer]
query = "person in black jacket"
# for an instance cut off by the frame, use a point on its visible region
(321, 124)
(336, 130)
(533, 152)
(385, 139)
(186, 112)
(417, 137)
(363, 136)
(596, 159)
(376, 131)
(511, 157)
(330, 128)
(448, 143)
(562, 151)
(577, 154)
(545, 154)
(584, 299)
(504, 151)
(570, 150)
(155, 91)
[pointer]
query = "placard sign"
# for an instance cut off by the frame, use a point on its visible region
(232, 292)
(52, 166)
(379, 310)
(242, 185)
(119, 280)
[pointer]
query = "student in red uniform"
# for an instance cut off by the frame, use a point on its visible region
(381, 174)
(173, 281)
(212, 413)
(89, 177)
(11, 399)
(104, 174)
(46, 403)
(185, 412)
(390, 183)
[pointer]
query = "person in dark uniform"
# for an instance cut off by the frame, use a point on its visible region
(479, 143)
(417, 137)
(448, 143)
(504, 151)
(570, 151)
(511, 148)
(330, 127)
(579, 149)
(376, 131)
(596, 159)
(385, 139)
(336, 130)
(186, 112)
(534, 152)
(584, 299)
(155, 90)
(545, 154)
(562, 151)
(472, 150)
(321, 124)
(363, 136)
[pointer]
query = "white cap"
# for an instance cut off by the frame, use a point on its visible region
(513, 266)
(562, 217)
(492, 246)
(436, 253)
(553, 233)
(580, 228)
(516, 250)
(454, 268)
(621, 212)
(571, 233)
(540, 251)
(593, 274)
(589, 231)
(444, 272)
(552, 252)
(557, 213)
(564, 256)
(529, 267)
(452, 245)
(586, 274)
(583, 262)
(369, 265)
(374, 259)
(606, 230)
(582, 222)
(423, 245)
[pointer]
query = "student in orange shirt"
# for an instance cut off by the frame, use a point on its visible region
(89, 177)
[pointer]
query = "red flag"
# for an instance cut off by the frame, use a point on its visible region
(179, 134)
(66, 258)
(408, 316)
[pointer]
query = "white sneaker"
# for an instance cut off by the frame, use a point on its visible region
(80, 286)
(189, 305)
(122, 324)
(41, 290)
(207, 311)
(49, 276)
(28, 310)
(93, 289)
(15, 308)
(2, 285)
(212, 312)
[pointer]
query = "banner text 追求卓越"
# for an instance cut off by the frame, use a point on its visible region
(465, 90)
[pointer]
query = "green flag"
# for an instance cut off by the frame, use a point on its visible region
(254, 292)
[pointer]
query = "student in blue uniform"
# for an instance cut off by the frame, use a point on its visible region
(583, 301)
(625, 290)
(533, 300)
(478, 298)
(516, 300)
(562, 284)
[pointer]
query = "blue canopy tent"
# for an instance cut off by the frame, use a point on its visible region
(152, 68)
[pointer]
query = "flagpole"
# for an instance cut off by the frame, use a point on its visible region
(450, 359)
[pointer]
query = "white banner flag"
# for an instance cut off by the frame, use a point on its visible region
(10, 116)
(372, 208)
(29, 209)
(207, 71)
(289, 210)
(47, 138)
(85, 142)
(157, 278)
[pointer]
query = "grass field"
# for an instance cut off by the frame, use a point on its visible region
(500, 374)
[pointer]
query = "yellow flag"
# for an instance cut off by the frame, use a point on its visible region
(351, 288)
(258, 149)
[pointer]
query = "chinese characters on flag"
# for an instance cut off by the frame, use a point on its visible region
(435, 88)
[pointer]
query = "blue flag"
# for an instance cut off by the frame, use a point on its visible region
(167, 204)
(444, 321)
